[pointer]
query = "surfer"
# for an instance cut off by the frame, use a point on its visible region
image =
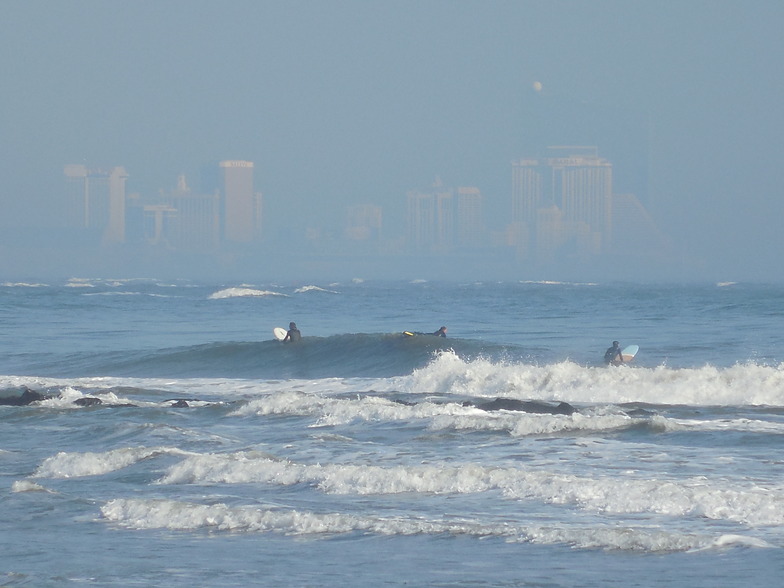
(613, 354)
(293, 334)
(440, 332)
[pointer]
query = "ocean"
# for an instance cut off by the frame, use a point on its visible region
(171, 440)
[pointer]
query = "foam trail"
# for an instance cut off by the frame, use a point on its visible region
(183, 516)
(77, 465)
(446, 415)
(242, 292)
(738, 385)
(739, 502)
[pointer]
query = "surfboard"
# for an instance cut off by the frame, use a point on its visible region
(280, 333)
(628, 353)
(408, 333)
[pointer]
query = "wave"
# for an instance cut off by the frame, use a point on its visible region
(249, 291)
(347, 356)
(429, 366)
(188, 516)
(721, 500)
(741, 384)
(77, 465)
(23, 285)
(621, 493)
(304, 289)
(458, 415)
(242, 293)
(557, 283)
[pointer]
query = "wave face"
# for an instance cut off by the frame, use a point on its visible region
(350, 355)
(390, 364)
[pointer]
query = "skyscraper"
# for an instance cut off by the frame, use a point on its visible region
(526, 190)
(196, 226)
(97, 201)
(420, 223)
(582, 187)
(444, 220)
(431, 219)
(572, 189)
(241, 206)
(470, 225)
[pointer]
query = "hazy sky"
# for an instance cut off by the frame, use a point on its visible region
(343, 102)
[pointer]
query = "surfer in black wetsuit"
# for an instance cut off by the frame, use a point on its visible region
(293, 334)
(613, 354)
(440, 332)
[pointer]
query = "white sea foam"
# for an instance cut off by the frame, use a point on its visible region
(186, 516)
(242, 292)
(68, 396)
(520, 424)
(28, 486)
(23, 285)
(328, 411)
(739, 502)
(335, 411)
(76, 465)
(450, 375)
(304, 289)
(743, 425)
(331, 411)
(191, 387)
(127, 293)
(741, 384)
(557, 283)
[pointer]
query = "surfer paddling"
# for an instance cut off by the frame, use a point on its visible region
(439, 333)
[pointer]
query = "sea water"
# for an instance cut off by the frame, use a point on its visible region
(218, 456)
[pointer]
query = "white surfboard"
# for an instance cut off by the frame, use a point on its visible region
(629, 352)
(280, 333)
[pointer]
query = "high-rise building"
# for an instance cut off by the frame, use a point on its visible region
(196, 225)
(572, 181)
(159, 224)
(526, 191)
(581, 187)
(444, 220)
(241, 206)
(420, 221)
(431, 219)
(470, 225)
(97, 201)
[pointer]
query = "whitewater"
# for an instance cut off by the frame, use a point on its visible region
(171, 440)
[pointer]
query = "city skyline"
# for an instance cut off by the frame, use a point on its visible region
(344, 104)
(560, 207)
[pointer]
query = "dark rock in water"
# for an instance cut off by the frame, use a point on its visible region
(27, 397)
(527, 406)
(180, 404)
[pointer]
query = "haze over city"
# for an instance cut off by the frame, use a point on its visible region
(347, 103)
